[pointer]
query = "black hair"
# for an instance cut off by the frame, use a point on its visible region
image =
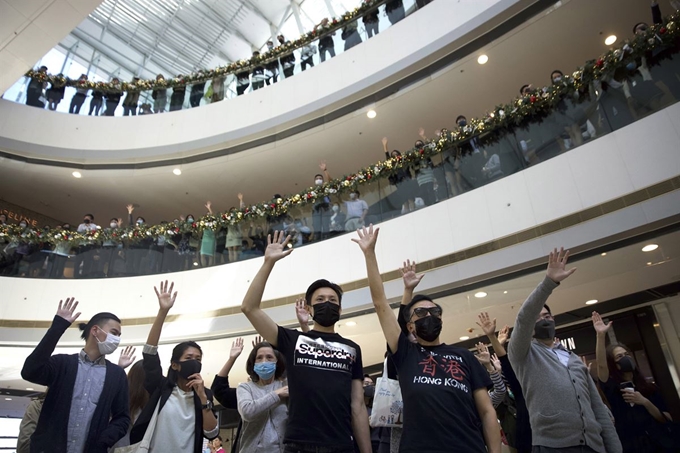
(521, 90)
(99, 320)
(460, 117)
(547, 308)
(556, 71)
(89, 215)
(638, 24)
(396, 151)
(250, 363)
(140, 217)
(113, 219)
(277, 195)
(319, 175)
(177, 353)
(356, 191)
(323, 283)
(43, 67)
(422, 144)
(417, 298)
(190, 215)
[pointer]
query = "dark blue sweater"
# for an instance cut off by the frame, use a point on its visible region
(111, 419)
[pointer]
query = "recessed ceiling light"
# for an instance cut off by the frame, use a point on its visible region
(464, 338)
(591, 302)
(649, 247)
(177, 171)
(482, 59)
(505, 292)
(8, 399)
(611, 39)
(649, 263)
(76, 174)
(195, 263)
(603, 254)
(480, 294)
(350, 323)
(30, 388)
(371, 114)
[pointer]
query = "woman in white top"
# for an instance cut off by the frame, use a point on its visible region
(185, 415)
(262, 401)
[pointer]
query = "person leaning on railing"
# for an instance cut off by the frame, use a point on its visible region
(160, 96)
(131, 100)
(326, 43)
(79, 98)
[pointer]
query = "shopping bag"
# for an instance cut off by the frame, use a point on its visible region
(388, 404)
(145, 444)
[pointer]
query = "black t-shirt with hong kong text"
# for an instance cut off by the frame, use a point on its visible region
(320, 369)
(437, 385)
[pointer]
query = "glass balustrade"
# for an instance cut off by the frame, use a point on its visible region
(270, 71)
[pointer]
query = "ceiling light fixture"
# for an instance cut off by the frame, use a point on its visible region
(591, 302)
(480, 294)
(195, 263)
(76, 174)
(611, 39)
(464, 338)
(8, 399)
(371, 114)
(30, 388)
(650, 247)
(177, 171)
(603, 254)
(350, 323)
(505, 292)
(482, 59)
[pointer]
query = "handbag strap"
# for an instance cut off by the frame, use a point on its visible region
(385, 368)
(151, 428)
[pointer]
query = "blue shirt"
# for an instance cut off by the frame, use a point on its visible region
(86, 393)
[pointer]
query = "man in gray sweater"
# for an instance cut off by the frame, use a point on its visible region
(566, 412)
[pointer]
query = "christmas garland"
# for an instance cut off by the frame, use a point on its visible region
(244, 65)
(504, 119)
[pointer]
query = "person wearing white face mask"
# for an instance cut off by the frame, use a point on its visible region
(87, 408)
(337, 220)
(356, 211)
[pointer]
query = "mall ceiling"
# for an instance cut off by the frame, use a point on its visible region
(562, 37)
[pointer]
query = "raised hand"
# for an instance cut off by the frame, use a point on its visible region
(258, 339)
(120, 223)
(165, 297)
(384, 142)
(504, 335)
(408, 274)
(367, 238)
(236, 348)
(496, 362)
(67, 308)
(240, 196)
(127, 357)
(208, 206)
(598, 324)
(277, 247)
(557, 265)
(483, 354)
(130, 208)
(301, 311)
(322, 165)
(421, 132)
(487, 324)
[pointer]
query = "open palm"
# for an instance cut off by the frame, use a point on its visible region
(599, 325)
(277, 246)
(166, 299)
(408, 274)
(487, 324)
(367, 238)
(557, 265)
(67, 309)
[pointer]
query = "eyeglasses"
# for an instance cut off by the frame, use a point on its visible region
(421, 312)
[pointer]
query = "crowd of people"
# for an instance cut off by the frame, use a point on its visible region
(43, 94)
(307, 391)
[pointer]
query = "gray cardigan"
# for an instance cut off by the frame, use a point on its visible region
(258, 405)
(565, 408)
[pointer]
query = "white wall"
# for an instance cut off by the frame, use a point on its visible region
(30, 28)
(630, 159)
(64, 136)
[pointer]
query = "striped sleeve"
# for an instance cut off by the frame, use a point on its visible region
(499, 390)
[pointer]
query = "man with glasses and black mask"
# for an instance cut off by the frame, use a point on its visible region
(87, 407)
(326, 412)
(445, 389)
(566, 412)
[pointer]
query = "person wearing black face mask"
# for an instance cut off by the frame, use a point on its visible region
(436, 379)
(185, 406)
(637, 406)
(565, 408)
(325, 370)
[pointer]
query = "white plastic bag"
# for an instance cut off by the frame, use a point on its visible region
(145, 444)
(388, 404)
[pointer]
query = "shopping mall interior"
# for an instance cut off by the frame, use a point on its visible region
(568, 137)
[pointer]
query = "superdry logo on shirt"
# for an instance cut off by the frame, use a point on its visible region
(326, 355)
(443, 370)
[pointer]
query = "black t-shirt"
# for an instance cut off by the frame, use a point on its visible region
(437, 385)
(320, 368)
(631, 422)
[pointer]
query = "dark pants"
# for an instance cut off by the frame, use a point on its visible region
(33, 99)
(309, 62)
(95, 105)
(110, 108)
(396, 15)
(195, 98)
(372, 28)
(273, 79)
(129, 110)
(323, 50)
(257, 85)
(578, 449)
(240, 89)
(288, 72)
(76, 102)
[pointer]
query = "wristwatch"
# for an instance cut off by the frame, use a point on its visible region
(208, 405)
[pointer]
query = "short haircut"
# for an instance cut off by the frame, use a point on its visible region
(113, 219)
(323, 283)
(556, 71)
(419, 144)
(415, 300)
(638, 24)
(140, 217)
(97, 320)
(89, 215)
(318, 176)
(250, 363)
(177, 353)
(356, 192)
(521, 90)
(460, 117)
